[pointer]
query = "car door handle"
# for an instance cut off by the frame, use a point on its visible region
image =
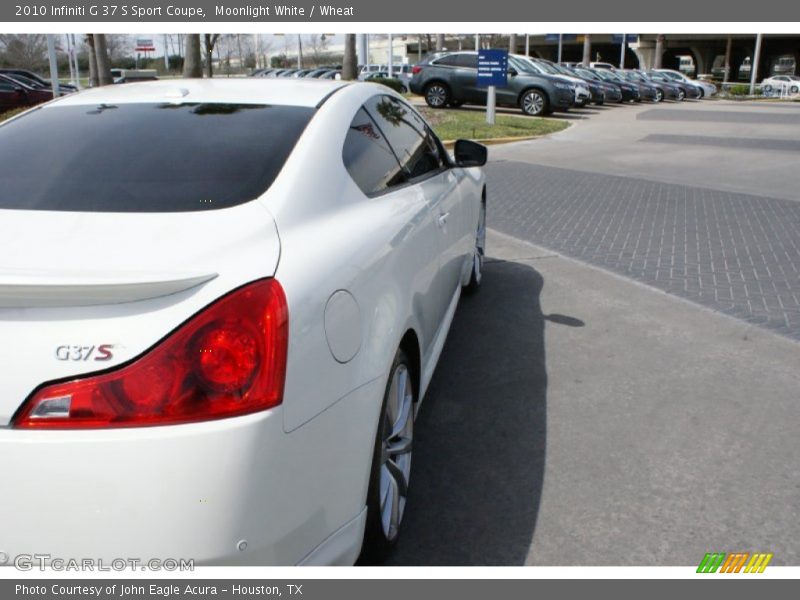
(443, 219)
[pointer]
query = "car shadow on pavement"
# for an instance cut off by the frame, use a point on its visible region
(479, 446)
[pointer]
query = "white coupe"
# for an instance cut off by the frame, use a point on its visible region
(221, 303)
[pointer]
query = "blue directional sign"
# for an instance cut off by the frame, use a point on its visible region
(492, 68)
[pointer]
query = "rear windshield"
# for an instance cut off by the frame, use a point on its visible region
(145, 157)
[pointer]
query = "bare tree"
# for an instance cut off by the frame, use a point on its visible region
(24, 51)
(350, 61)
(192, 63)
(211, 40)
(318, 46)
(119, 46)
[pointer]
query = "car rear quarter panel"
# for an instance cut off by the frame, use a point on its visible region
(335, 238)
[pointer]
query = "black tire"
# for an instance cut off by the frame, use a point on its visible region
(795, 89)
(659, 96)
(534, 103)
(437, 94)
(378, 542)
(476, 276)
(681, 95)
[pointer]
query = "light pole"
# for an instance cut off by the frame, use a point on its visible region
(390, 62)
(51, 52)
(754, 65)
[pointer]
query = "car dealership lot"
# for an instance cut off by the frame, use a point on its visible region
(579, 417)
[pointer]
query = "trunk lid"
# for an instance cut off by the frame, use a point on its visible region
(71, 282)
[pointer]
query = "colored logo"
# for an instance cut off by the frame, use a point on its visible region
(735, 562)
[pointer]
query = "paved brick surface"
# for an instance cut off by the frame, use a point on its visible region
(722, 116)
(735, 253)
(725, 142)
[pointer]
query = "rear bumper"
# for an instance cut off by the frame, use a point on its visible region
(232, 491)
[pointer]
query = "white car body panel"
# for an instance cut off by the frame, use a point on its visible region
(289, 482)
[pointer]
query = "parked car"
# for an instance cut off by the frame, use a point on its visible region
(385, 75)
(262, 72)
(685, 90)
(596, 90)
(334, 74)
(315, 73)
(452, 79)
(647, 91)
(601, 65)
(14, 94)
(707, 89)
(365, 70)
(131, 75)
(65, 87)
(788, 84)
(666, 89)
(583, 94)
(230, 367)
(630, 91)
(611, 91)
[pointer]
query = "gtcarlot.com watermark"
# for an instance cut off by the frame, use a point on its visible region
(42, 562)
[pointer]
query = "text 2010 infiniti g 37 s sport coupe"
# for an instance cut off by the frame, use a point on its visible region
(221, 303)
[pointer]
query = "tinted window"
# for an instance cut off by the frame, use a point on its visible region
(6, 87)
(469, 61)
(447, 61)
(145, 157)
(408, 136)
(368, 158)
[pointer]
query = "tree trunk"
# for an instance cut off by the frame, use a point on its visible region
(192, 63)
(512, 43)
(209, 57)
(440, 41)
(93, 81)
(103, 65)
(349, 65)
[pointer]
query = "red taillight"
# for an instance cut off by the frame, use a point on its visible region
(415, 69)
(227, 360)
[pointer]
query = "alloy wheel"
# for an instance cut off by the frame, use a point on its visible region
(533, 103)
(395, 468)
(436, 96)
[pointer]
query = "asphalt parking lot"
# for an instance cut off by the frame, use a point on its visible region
(603, 400)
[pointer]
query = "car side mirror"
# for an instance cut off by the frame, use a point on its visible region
(469, 153)
(512, 72)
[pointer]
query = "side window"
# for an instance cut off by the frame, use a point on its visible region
(6, 87)
(368, 158)
(469, 61)
(447, 61)
(408, 136)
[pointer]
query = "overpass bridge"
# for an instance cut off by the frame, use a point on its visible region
(780, 53)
